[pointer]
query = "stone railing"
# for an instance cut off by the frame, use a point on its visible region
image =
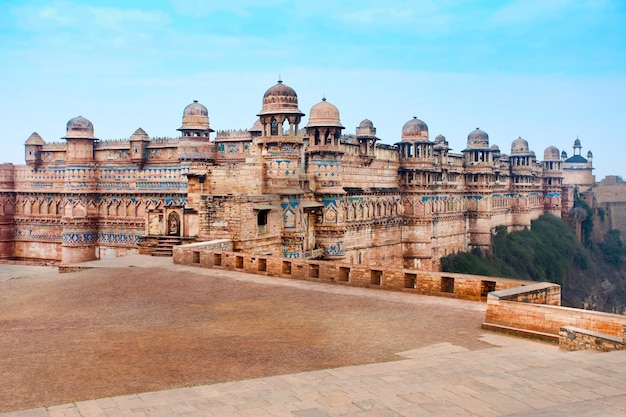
(469, 287)
(535, 311)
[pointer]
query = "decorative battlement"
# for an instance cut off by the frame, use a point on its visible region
(242, 134)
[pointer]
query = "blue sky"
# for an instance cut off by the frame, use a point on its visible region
(546, 70)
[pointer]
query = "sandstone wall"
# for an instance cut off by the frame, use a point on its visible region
(470, 287)
(505, 310)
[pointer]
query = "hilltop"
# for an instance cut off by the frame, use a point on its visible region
(592, 274)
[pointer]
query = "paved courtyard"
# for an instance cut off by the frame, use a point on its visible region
(447, 370)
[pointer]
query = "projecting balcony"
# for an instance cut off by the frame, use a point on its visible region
(313, 254)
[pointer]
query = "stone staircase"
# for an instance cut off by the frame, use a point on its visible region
(165, 245)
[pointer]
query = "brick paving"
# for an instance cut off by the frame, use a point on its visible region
(511, 377)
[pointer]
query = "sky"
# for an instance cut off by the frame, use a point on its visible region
(549, 71)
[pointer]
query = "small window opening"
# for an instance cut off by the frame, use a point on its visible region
(376, 277)
(447, 285)
(262, 265)
(343, 274)
(410, 280)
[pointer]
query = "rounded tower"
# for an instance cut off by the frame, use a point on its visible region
(80, 140)
(324, 151)
(281, 145)
(417, 168)
(324, 161)
(194, 144)
(195, 121)
(80, 230)
(34, 144)
(280, 106)
(522, 163)
(139, 147)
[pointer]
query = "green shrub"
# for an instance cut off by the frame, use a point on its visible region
(543, 253)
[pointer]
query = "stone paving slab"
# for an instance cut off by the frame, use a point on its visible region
(515, 377)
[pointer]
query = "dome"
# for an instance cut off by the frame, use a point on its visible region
(140, 134)
(195, 109)
(577, 143)
(366, 123)
(441, 143)
(35, 139)
(256, 127)
(495, 148)
(519, 146)
(551, 154)
(478, 139)
(79, 128)
(280, 99)
(589, 155)
(324, 114)
(366, 129)
(415, 129)
(196, 117)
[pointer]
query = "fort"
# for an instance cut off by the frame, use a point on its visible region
(304, 204)
(281, 188)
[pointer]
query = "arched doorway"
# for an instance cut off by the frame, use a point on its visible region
(173, 224)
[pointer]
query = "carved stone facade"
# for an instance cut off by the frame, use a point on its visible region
(275, 189)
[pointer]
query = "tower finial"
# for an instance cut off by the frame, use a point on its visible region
(280, 81)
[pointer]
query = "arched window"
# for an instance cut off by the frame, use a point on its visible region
(274, 131)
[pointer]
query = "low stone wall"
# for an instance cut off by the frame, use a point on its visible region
(532, 310)
(574, 338)
(216, 254)
(190, 254)
(535, 293)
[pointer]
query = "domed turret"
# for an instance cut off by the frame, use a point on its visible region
(195, 120)
(79, 128)
(415, 129)
(35, 140)
(441, 143)
(33, 146)
(519, 146)
(280, 106)
(477, 139)
(324, 114)
(140, 135)
(280, 99)
(366, 130)
(138, 147)
(366, 123)
(551, 154)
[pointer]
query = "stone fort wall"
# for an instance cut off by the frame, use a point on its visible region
(277, 188)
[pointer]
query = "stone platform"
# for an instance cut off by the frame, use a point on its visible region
(510, 377)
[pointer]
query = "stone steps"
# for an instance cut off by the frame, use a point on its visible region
(165, 246)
